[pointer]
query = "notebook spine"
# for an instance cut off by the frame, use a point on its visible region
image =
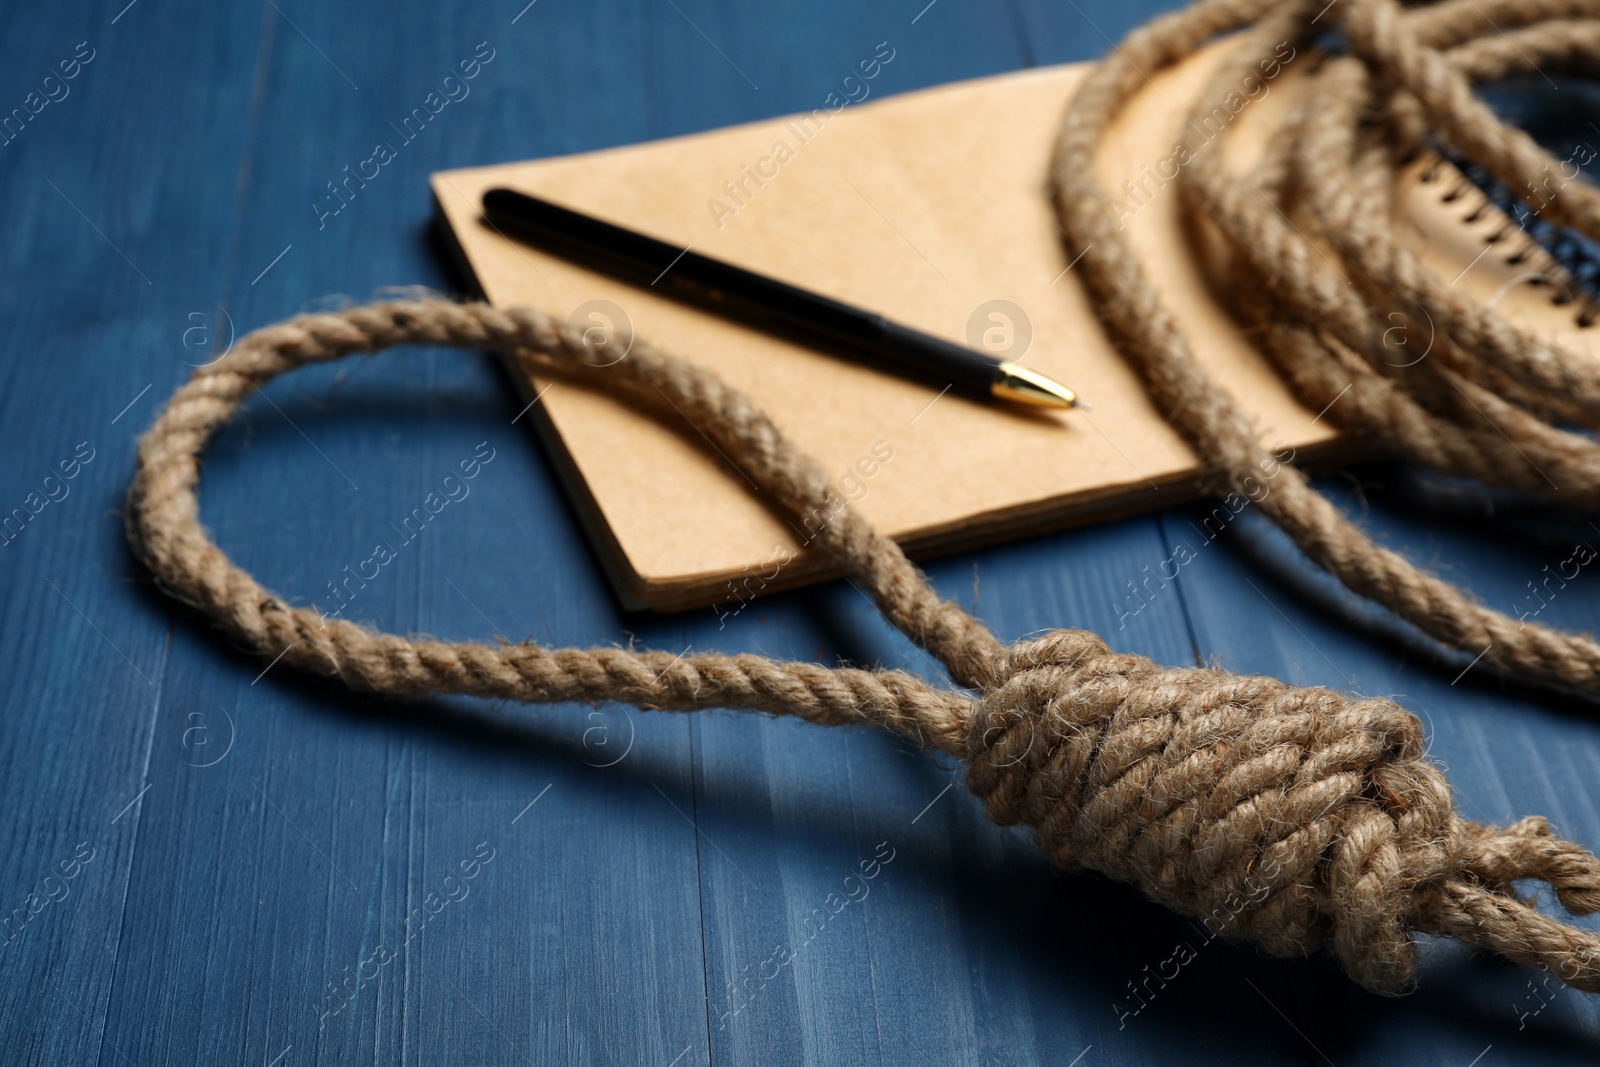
(1572, 260)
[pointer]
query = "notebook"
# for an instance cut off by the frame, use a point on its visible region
(929, 207)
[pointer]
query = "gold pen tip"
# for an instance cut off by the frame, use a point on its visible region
(1026, 386)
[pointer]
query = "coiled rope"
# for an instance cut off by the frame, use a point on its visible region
(1485, 402)
(1298, 818)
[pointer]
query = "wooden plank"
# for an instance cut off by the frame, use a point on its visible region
(105, 259)
(316, 852)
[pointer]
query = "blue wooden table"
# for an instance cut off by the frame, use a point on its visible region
(205, 862)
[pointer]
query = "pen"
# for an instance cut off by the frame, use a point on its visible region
(767, 304)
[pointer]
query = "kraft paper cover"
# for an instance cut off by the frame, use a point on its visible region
(924, 206)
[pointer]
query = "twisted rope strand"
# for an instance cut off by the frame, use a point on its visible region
(163, 525)
(1292, 818)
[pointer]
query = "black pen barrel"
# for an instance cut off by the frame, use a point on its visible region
(755, 300)
(936, 360)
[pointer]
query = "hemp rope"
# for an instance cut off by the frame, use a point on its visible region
(1481, 404)
(1296, 818)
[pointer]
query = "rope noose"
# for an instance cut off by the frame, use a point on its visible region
(1292, 818)
(1308, 817)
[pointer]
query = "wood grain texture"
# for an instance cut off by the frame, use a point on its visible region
(262, 844)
